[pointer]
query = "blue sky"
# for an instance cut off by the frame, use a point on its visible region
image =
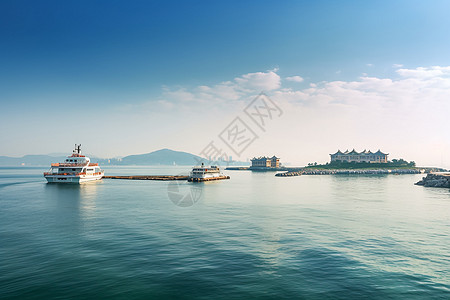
(102, 56)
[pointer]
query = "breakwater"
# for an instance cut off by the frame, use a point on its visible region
(298, 172)
(435, 180)
(148, 177)
(360, 171)
(288, 174)
(165, 177)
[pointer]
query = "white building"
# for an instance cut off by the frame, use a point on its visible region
(365, 156)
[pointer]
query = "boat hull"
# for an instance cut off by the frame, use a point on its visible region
(201, 179)
(208, 177)
(72, 179)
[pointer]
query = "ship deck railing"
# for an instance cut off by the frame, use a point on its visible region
(72, 173)
(74, 165)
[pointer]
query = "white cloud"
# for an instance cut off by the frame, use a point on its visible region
(180, 94)
(295, 79)
(259, 81)
(396, 66)
(406, 115)
(221, 94)
(424, 72)
(385, 93)
(415, 86)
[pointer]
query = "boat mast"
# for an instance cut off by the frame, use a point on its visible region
(77, 149)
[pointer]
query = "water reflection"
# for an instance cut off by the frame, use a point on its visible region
(185, 194)
(359, 187)
(73, 202)
(270, 247)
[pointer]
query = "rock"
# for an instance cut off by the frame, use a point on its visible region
(435, 180)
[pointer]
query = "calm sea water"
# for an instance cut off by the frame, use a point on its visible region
(253, 236)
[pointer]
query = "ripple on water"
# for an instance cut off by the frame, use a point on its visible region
(254, 236)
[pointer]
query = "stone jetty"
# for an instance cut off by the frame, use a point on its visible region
(298, 172)
(435, 180)
(360, 171)
(288, 174)
(148, 177)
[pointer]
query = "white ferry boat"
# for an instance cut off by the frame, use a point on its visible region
(76, 168)
(204, 173)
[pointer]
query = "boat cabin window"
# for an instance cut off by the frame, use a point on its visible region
(63, 170)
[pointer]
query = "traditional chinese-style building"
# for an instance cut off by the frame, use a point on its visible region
(266, 162)
(365, 156)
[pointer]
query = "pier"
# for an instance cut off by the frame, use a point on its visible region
(237, 168)
(149, 177)
(165, 177)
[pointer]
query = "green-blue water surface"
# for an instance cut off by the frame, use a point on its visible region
(253, 236)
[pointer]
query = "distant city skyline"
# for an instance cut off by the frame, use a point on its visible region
(129, 78)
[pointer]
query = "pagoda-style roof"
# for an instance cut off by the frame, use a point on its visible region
(265, 157)
(337, 153)
(354, 152)
(380, 153)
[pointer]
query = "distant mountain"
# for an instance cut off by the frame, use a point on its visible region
(30, 160)
(160, 157)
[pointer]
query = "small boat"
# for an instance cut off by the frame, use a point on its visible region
(204, 173)
(76, 168)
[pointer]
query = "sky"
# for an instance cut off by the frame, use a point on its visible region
(130, 77)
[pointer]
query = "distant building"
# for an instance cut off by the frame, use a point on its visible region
(365, 156)
(266, 162)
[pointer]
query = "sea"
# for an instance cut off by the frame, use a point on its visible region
(254, 236)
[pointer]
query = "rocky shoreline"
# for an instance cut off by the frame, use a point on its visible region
(298, 172)
(288, 174)
(360, 171)
(435, 180)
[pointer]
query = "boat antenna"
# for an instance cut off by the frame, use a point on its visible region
(79, 149)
